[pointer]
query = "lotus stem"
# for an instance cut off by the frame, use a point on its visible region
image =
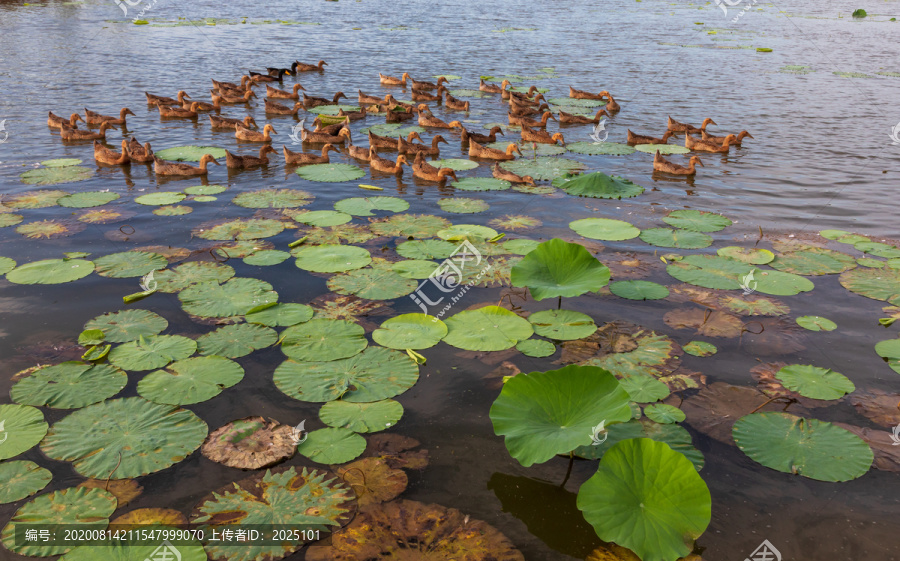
(559, 304)
(137, 296)
(776, 398)
(568, 471)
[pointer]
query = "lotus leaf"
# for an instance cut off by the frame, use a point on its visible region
(373, 480)
(808, 447)
(462, 205)
(392, 130)
(132, 436)
(235, 341)
(323, 340)
(816, 323)
(409, 225)
(600, 148)
(682, 239)
(665, 414)
(644, 388)
(544, 168)
(273, 198)
(61, 162)
(890, 351)
(69, 385)
(205, 189)
(815, 382)
(751, 255)
(878, 284)
(529, 149)
(426, 249)
(280, 315)
(878, 249)
(267, 257)
(21, 427)
(21, 479)
(361, 417)
(129, 264)
(133, 551)
(410, 331)
(332, 258)
(250, 443)
(813, 261)
(241, 249)
(152, 352)
(700, 348)
(340, 233)
(87, 199)
(332, 109)
(562, 325)
(332, 446)
(55, 175)
(456, 164)
(125, 490)
(50, 271)
(598, 185)
(576, 102)
(7, 220)
(322, 218)
(414, 268)
(779, 283)
(372, 283)
(128, 325)
(50, 229)
(468, 93)
(6, 265)
(183, 276)
(172, 210)
(490, 328)
(520, 247)
(240, 229)
(710, 271)
(664, 149)
(697, 221)
(470, 232)
(604, 229)
(104, 216)
(639, 290)
(161, 198)
(232, 298)
(190, 153)
(191, 380)
(559, 268)
(481, 184)
(363, 206)
(41, 198)
(330, 173)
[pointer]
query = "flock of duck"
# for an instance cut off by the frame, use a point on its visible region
(332, 131)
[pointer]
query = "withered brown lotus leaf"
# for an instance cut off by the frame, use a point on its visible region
(373, 480)
(249, 443)
(125, 490)
(397, 450)
(155, 516)
(772, 336)
(707, 323)
(878, 406)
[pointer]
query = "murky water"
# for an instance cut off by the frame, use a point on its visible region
(821, 158)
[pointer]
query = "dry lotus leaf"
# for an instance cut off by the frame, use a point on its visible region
(623, 266)
(773, 336)
(887, 453)
(397, 529)
(496, 376)
(155, 516)
(708, 323)
(373, 480)
(683, 379)
(753, 305)
(125, 490)
(348, 307)
(708, 297)
(613, 552)
(250, 443)
(104, 215)
(172, 254)
(396, 450)
(878, 406)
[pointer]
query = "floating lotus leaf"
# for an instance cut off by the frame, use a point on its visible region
(363, 206)
(161, 198)
(144, 516)
(361, 417)
(678, 438)
(323, 340)
(372, 283)
(559, 268)
(409, 225)
(340, 233)
(396, 450)
(470, 232)
(816, 323)
(779, 283)
(873, 263)
(392, 130)
(890, 351)
(50, 271)
(529, 149)
(410, 331)
(682, 239)
(132, 436)
(710, 271)
(515, 222)
(152, 352)
(664, 149)
(373, 480)
(41, 198)
(878, 249)
(639, 290)
(600, 148)
(697, 221)
(235, 341)
(815, 382)
(880, 407)
(191, 381)
(426, 249)
(61, 162)
(129, 264)
(700, 348)
(664, 414)
(878, 284)
(808, 447)
(189, 153)
(6, 265)
(644, 388)
(114, 551)
(373, 375)
(69, 385)
(21, 479)
(562, 325)
(54, 175)
(543, 414)
(240, 229)
(267, 258)
(332, 258)
(241, 249)
(647, 497)
(481, 184)
(543, 167)
(456, 164)
(520, 247)
(22, 427)
(50, 229)
(322, 218)
(575, 102)
(87, 199)
(183, 276)
(280, 315)
(490, 328)
(813, 261)
(332, 109)
(749, 255)
(336, 306)
(232, 298)
(250, 443)
(462, 205)
(332, 446)
(707, 323)
(280, 498)
(172, 210)
(125, 490)
(128, 325)
(205, 189)
(330, 173)
(468, 93)
(7, 220)
(604, 229)
(104, 216)
(598, 185)
(273, 198)
(414, 268)
(72, 507)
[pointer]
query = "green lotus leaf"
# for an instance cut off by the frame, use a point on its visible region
(456, 164)
(22, 427)
(868, 262)
(72, 507)
(322, 218)
(697, 221)
(6, 264)
(426, 249)
(463, 205)
(710, 271)
(235, 341)
(542, 414)
(372, 375)
(563, 325)
(537, 348)
(135, 551)
(87, 199)
(878, 284)
(808, 447)
(190, 381)
(363, 206)
(189, 153)
(815, 382)
(682, 239)
(273, 198)
(21, 479)
(330, 173)
(700, 348)
(241, 229)
(639, 290)
(7, 220)
(372, 284)
(392, 130)
(132, 436)
(604, 229)
(481, 184)
(468, 93)
(890, 351)
(664, 149)
(129, 264)
(267, 258)
(410, 331)
(576, 102)
(409, 225)
(490, 328)
(55, 175)
(280, 315)
(598, 186)
(235, 297)
(128, 325)
(664, 414)
(323, 340)
(187, 274)
(470, 232)
(750, 255)
(61, 162)
(558, 268)
(414, 268)
(172, 210)
(331, 258)
(152, 352)
(678, 438)
(779, 283)
(520, 247)
(361, 417)
(161, 198)
(644, 388)
(543, 168)
(50, 271)
(41, 198)
(600, 148)
(338, 234)
(332, 446)
(332, 109)
(816, 323)
(813, 261)
(878, 249)
(648, 498)
(205, 189)
(69, 385)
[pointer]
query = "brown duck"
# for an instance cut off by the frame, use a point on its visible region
(527, 96)
(278, 77)
(412, 148)
(527, 111)
(137, 153)
(153, 100)
(365, 99)
(275, 93)
(426, 85)
(224, 123)
(513, 120)
(359, 152)
(525, 102)
(275, 108)
(386, 141)
(322, 137)
(57, 122)
(199, 106)
(248, 135)
(611, 104)
(468, 136)
(570, 119)
(392, 81)
(692, 143)
(67, 133)
(427, 120)
(491, 88)
(309, 102)
(426, 171)
(94, 118)
(501, 173)
(675, 126)
(301, 159)
(385, 165)
(246, 84)
(665, 166)
(544, 137)
(398, 115)
(161, 167)
(582, 94)
(393, 104)
(737, 142)
(233, 161)
(353, 115)
(452, 103)
(328, 129)
(110, 157)
(236, 99)
(636, 139)
(423, 95)
(403, 144)
(478, 151)
(302, 67)
(168, 112)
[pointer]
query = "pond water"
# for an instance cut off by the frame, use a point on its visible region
(821, 158)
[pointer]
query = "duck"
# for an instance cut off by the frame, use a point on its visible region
(665, 166)
(94, 118)
(246, 84)
(153, 100)
(74, 134)
(513, 120)
(248, 135)
(675, 126)
(275, 108)
(385, 165)
(411, 148)
(501, 173)
(582, 94)
(423, 95)
(544, 137)
(402, 145)
(301, 159)
(137, 153)
(328, 129)
(110, 157)
(392, 104)
(737, 142)
(161, 167)
(322, 137)
(398, 116)
(57, 122)
(359, 152)
(386, 141)
(353, 115)
(216, 105)
(426, 85)
(517, 103)
(527, 110)
(636, 139)
(225, 97)
(468, 136)
(233, 161)
(478, 151)
(365, 99)
(571, 119)
(392, 81)
(491, 88)
(169, 112)
(426, 171)
(529, 95)
(611, 104)
(224, 123)
(302, 67)
(428, 120)
(309, 102)
(692, 143)
(277, 77)
(275, 93)
(452, 103)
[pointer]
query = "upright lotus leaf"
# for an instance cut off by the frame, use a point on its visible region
(69, 385)
(490, 328)
(543, 168)
(813, 261)
(323, 340)
(280, 315)
(235, 297)
(372, 375)
(189, 153)
(361, 417)
(604, 229)
(129, 264)
(543, 414)
(280, 498)
(50, 271)
(250, 443)
(331, 173)
(815, 382)
(751, 255)
(152, 352)
(237, 340)
(808, 447)
(21, 479)
(564, 325)
(598, 185)
(372, 283)
(697, 221)
(332, 258)
(131, 436)
(70, 507)
(890, 351)
(878, 284)
(558, 268)
(409, 225)
(639, 290)
(128, 325)
(273, 198)
(373, 480)
(87, 199)
(183, 276)
(239, 229)
(363, 206)
(332, 446)
(682, 239)
(648, 498)
(410, 331)
(191, 380)
(21, 427)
